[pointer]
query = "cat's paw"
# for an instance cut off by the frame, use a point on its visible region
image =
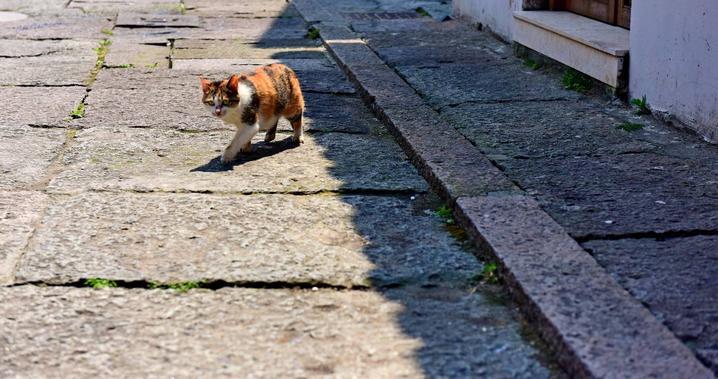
(269, 137)
(298, 140)
(226, 157)
(246, 149)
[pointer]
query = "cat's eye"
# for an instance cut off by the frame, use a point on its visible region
(225, 102)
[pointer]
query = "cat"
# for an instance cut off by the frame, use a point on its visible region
(255, 101)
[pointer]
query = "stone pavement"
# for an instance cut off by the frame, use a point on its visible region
(326, 259)
(643, 203)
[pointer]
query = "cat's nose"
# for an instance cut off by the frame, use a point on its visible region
(218, 111)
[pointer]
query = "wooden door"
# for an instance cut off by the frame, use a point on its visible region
(616, 12)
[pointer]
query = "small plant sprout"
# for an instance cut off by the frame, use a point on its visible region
(100, 283)
(126, 65)
(422, 12)
(79, 111)
(576, 81)
(153, 65)
(641, 105)
(630, 126)
(445, 214)
(312, 33)
(490, 273)
(107, 32)
(532, 64)
(178, 286)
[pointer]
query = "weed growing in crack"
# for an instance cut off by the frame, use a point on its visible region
(153, 65)
(179, 286)
(576, 81)
(79, 111)
(532, 64)
(490, 273)
(100, 283)
(630, 126)
(445, 214)
(422, 12)
(101, 50)
(71, 133)
(642, 105)
(312, 33)
(107, 32)
(126, 65)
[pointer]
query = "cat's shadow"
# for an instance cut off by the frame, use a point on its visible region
(259, 150)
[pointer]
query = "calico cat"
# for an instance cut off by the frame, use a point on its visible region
(255, 101)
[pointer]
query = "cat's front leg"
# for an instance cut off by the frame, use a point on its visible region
(242, 142)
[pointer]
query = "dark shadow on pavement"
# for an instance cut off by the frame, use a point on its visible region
(259, 150)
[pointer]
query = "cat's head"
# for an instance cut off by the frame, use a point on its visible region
(220, 96)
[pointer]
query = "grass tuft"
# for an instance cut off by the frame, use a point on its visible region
(422, 12)
(79, 111)
(576, 81)
(532, 64)
(101, 50)
(445, 214)
(312, 33)
(642, 105)
(179, 286)
(490, 273)
(630, 126)
(100, 283)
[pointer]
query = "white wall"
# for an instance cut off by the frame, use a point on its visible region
(674, 60)
(497, 15)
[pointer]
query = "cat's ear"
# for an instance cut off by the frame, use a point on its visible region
(233, 83)
(205, 84)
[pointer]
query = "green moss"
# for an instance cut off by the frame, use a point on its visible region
(312, 33)
(641, 105)
(445, 214)
(107, 32)
(79, 111)
(178, 286)
(100, 283)
(490, 273)
(422, 12)
(630, 126)
(576, 81)
(532, 64)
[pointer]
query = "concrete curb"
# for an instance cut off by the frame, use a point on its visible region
(595, 327)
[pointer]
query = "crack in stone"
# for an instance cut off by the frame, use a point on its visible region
(503, 101)
(669, 234)
(355, 191)
(209, 284)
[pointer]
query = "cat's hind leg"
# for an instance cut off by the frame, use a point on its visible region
(297, 128)
(271, 133)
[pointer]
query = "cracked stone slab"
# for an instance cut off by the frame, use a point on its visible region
(32, 6)
(318, 75)
(596, 327)
(134, 20)
(624, 194)
(496, 81)
(346, 241)
(167, 160)
(333, 113)
(26, 154)
(158, 106)
(56, 104)
(61, 26)
(541, 129)
(13, 48)
(245, 9)
(48, 70)
(237, 49)
(113, 7)
(435, 332)
(676, 279)
(137, 55)
(155, 107)
(19, 212)
(222, 28)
